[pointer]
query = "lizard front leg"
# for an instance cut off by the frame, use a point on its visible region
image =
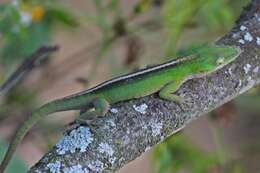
(101, 107)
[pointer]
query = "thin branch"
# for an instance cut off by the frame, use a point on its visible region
(133, 127)
(28, 64)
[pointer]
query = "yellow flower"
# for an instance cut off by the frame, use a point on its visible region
(37, 13)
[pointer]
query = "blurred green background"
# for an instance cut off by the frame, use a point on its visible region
(101, 39)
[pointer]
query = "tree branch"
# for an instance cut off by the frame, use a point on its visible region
(132, 127)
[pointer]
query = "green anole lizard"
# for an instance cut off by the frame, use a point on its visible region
(164, 78)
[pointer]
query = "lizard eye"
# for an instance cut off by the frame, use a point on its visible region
(220, 60)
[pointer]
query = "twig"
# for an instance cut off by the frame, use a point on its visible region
(28, 64)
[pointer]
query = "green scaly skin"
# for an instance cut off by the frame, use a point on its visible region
(164, 78)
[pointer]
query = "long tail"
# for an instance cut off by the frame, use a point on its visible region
(21, 132)
(67, 103)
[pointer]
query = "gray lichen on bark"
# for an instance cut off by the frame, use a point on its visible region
(133, 127)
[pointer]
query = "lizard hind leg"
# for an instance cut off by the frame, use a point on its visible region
(167, 92)
(101, 107)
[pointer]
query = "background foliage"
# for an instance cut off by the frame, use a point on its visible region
(27, 25)
(145, 29)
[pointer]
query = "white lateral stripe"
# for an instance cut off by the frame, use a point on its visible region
(127, 76)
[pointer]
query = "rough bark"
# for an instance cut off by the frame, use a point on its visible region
(131, 128)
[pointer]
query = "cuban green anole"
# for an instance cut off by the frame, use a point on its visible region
(164, 78)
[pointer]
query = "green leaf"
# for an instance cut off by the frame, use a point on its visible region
(16, 164)
(22, 44)
(142, 6)
(62, 15)
(177, 14)
(9, 17)
(216, 18)
(177, 153)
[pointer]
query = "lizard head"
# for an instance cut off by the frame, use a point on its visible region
(225, 54)
(215, 57)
